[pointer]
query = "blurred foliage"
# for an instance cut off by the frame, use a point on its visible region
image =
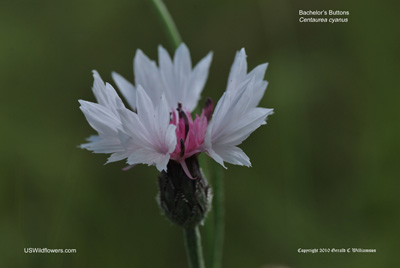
(325, 168)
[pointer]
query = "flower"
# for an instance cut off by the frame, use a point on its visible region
(159, 127)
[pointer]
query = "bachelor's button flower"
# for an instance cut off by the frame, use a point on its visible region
(159, 127)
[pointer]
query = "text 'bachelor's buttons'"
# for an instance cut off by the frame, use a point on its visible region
(324, 16)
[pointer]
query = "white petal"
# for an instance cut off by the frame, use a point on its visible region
(258, 93)
(118, 156)
(100, 118)
(167, 74)
(166, 137)
(236, 116)
(180, 82)
(236, 133)
(135, 134)
(238, 70)
(197, 81)
(147, 76)
(106, 123)
(162, 114)
(216, 157)
(149, 157)
(126, 88)
(260, 84)
(238, 77)
(182, 63)
(259, 71)
(106, 95)
(232, 107)
(170, 138)
(103, 145)
(99, 89)
(156, 122)
(145, 109)
(182, 68)
(163, 57)
(217, 120)
(233, 155)
(149, 137)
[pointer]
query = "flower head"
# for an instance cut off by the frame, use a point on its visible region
(159, 127)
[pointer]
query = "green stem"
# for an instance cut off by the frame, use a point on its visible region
(218, 206)
(193, 247)
(168, 22)
(209, 222)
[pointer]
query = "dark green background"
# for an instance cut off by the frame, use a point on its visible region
(325, 168)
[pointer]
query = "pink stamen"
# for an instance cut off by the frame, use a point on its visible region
(190, 133)
(185, 168)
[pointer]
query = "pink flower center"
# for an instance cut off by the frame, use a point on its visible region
(190, 133)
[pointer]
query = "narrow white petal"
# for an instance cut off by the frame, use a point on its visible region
(233, 155)
(106, 122)
(103, 145)
(107, 146)
(126, 88)
(216, 157)
(167, 76)
(258, 93)
(114, 101)
(163, 57)
(99, 88)
(149, 157)
(232, 107)
(238, 70)
(260, 84)
(259, 71)
(162, 114)
(170, 138)
(182, 63)
(197, 81)
(118, 156)
(105, 94)
(166, 137)
(100, 118)
(145, 110)
(236, 133)
(147, 76)
(135, 134)
(175, 75)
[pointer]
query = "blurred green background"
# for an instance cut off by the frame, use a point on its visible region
(325, 168)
